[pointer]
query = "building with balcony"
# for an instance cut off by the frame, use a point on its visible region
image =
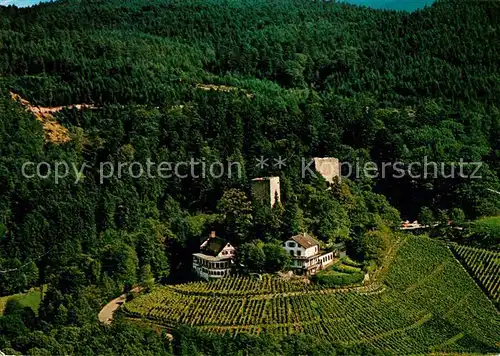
(215, 259)
(307, 257)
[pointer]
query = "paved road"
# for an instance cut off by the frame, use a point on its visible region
(106, 313)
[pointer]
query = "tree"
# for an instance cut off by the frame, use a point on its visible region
(293, 219)
(146, 276)
(374, 244)
(120, 262)
(251, 255)
(485, 233)
(426, 216)
(326, 217)
(277, 258)
(457, 216)
(236, 213)
(31, 273)
(3, 231)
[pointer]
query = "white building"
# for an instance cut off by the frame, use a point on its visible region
(306, 254)
(216, 258)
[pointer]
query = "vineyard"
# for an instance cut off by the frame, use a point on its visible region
(428, 304)
(484, 265)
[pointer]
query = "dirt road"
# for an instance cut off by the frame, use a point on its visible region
(106, 313)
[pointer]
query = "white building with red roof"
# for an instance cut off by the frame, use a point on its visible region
(306, 254)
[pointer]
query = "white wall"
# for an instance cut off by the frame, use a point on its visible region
(293, 248)
(311, 251)
(212, 269)
(207, 274)
(228, 250)
(328, 167)
(323, 260)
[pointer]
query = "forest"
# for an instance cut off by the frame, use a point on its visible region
(218, 81)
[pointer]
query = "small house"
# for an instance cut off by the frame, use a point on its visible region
(306, 254)
(215, 259)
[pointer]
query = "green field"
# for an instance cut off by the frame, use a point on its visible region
(30, 299)
(484, 265)
(427, 303)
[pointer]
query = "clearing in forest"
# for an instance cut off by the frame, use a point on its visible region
(54, 131)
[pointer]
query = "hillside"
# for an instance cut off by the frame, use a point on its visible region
(484, 266)
(94, 91)
(429, 304)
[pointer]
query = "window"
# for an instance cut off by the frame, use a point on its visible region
(299, 253)
(291, 244)
(292, 253)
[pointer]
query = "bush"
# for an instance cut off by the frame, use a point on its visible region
(348, 262)
(370, 266)
(330, 278)
(276, 257)
(340, 274)
(345, 268)
(485, 233)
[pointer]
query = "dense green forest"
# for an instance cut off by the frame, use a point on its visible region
(305, 78)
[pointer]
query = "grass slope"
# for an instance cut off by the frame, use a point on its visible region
(30, 299)
(429, 304)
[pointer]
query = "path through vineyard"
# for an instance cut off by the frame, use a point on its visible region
(106, 313)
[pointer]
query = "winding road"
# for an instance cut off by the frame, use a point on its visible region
(106, 313)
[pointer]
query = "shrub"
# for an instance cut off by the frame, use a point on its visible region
(486, 233)
(345, 268)
(330, 278)
(347, 261)
(370, 266)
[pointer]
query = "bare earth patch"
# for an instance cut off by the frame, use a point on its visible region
(54, 132)
(224, 88)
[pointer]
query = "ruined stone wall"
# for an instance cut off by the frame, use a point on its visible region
(267, 190)
(328, 167)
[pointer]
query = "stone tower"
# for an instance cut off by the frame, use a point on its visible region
(266, 190)
(328, 167)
